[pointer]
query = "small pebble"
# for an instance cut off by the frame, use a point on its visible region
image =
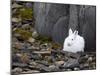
(90, 59)
(86, 56)
(18, 70)
(76, 69)
(33, 63)
(86, 65)
(35, 34)
(52, 66)
(16, 19)
(69, 70)
(59, 63)
(19, 54)
(31, 40)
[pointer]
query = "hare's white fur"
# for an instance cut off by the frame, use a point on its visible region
(74, 42)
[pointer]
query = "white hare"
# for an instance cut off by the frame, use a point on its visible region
(74, 42)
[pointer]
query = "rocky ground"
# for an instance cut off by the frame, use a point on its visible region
(33, 53)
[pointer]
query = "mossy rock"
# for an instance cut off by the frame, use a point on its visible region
(14, 50)
(21, 11)
(44, 39)
(56, 45)
(25, 35)
(26, 13)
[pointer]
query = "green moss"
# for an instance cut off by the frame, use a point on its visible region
(25, 35)
(26, 13)
(44, 39)
(56, 45)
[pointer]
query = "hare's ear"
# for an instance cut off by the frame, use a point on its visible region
(76, 32)
(70, 31)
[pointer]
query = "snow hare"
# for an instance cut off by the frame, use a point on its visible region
(74, 42)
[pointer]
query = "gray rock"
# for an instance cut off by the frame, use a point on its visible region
(59, 63)
(76, 69)
(84, 66)
(24, 26)
(34, 48)
(16, 70)
(31, 40)
(68, 69)
(15, 5)
(36, 56)
(71, 63)
(43, 68)
(16, 20)
(16, 34)
(50, 59)
(93, 65)
(33, 63)
(18, 45)
(35, 34)
(30, 72)
(90, 59)
(43, 62)
(44, 46)
(15, 64)
(83, 59)
(54, 68)
(14, 11)
(42, 52)
(14, 39)
(26, 69)
(71, 55)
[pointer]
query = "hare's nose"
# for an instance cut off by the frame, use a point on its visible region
(69, 44)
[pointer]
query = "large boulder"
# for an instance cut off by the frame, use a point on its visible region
(54, 20)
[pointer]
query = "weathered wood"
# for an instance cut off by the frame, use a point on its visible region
(73, 20)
